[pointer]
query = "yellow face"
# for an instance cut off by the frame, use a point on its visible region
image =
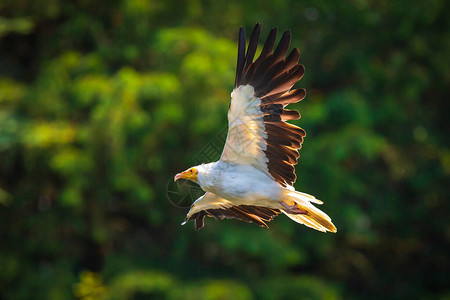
(190, 174)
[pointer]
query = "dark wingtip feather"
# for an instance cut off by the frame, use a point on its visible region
(241, 57)
(199, 221)
(253, 44)
(292, 59)
(270, 42)
(283, 45)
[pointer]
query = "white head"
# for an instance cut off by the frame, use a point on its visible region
(200, 174)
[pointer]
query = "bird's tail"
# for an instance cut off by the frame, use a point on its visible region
(305, 212)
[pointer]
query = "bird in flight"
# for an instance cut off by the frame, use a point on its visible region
(253, 180)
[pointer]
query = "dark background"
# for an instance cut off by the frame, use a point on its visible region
(103, 102)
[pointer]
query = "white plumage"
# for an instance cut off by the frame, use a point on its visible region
(253, 180)
(245, 141)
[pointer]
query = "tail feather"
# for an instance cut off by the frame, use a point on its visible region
(314, 218)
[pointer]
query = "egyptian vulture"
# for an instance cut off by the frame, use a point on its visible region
(253, 180)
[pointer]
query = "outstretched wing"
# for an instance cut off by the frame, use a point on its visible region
(213, 206)
(257, 130)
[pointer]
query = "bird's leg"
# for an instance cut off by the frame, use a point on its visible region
(293, 209)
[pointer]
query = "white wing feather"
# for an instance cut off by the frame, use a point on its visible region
(245, 142)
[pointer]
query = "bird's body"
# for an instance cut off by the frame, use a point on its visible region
(253, 180)
(239, 182)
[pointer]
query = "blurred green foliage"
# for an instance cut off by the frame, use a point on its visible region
(102, 102)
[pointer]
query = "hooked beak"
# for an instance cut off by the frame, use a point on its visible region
(190, 174)
(178, 176)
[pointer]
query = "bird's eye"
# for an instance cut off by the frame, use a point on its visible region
(190, 171)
